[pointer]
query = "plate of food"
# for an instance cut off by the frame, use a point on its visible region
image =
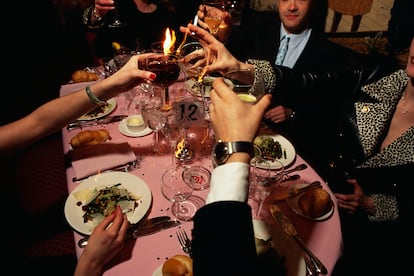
(96, 197)
(99, 111)
(315, 204)
(192, 86)
(276, 147)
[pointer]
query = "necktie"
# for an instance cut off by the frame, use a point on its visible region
(283, 47)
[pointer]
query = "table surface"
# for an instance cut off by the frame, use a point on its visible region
(144, 255)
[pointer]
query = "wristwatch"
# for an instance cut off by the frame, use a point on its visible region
(223, 150)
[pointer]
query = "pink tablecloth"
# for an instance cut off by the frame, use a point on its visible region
(144, 255)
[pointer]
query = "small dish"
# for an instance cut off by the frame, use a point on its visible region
(293, 205)
(135, 123)
(125, 131)
(197, 176)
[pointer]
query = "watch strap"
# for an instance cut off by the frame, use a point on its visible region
(241, 146)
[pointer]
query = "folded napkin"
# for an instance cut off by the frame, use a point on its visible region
(90, 160)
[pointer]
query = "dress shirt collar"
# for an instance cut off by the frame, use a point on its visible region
(297, 43)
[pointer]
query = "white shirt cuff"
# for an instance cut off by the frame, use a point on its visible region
(229, 182)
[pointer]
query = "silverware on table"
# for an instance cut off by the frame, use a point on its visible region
(290, 230)
(299, 167)
(95, 122)
(147, 227)
(294, 192)
(185, 241)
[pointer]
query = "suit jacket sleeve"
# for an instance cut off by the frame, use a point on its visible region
(223, 240)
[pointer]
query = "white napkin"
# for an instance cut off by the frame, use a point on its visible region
(90, 160)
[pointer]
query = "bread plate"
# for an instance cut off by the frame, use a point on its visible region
(99, 113)
(135, 185)
(293, 205)
(289, 152)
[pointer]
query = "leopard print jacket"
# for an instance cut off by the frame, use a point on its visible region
(372, 122)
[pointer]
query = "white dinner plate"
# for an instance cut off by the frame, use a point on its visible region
(134, 184)
(293, 204)
(125, 131)
(289, 152)
(96, 115)
(192, 86)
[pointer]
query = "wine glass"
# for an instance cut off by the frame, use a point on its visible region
(167, 68)
(172, 129)
(192, 56)
(177, 190)
(117, 23)
(262, 180)
(213, 10)
(249, 86)
(154, 119)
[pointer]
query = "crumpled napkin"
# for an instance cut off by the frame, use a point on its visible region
(90, 160)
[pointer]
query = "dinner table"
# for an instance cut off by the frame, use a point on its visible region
(145, 255)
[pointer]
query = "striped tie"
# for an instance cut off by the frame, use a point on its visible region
(283, 47)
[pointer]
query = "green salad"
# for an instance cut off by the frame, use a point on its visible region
(105, 201)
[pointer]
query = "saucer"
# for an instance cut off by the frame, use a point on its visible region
(125, 131)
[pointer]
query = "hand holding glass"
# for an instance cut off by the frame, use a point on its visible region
(249, 86)
(213, 10)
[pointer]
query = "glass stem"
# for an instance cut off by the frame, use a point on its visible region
(156, 136)
(166, 99)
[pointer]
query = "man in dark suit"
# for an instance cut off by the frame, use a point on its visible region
(260, 36)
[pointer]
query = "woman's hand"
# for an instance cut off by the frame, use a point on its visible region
(358, 200)
(103, 6)
(105, 242)
(219, 59)
(278, 114)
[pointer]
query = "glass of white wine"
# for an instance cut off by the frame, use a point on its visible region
(213, 10)
(246, 84)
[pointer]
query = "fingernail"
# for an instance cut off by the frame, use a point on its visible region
(152, 76)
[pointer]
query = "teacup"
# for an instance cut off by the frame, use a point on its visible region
(135, 123)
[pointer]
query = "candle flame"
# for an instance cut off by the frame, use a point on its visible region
(169, 42)
(179, 148)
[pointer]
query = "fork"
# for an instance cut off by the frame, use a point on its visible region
(184, 241)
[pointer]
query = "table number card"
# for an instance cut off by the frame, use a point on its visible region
(191, 112)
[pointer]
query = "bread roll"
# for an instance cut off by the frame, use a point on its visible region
(315, 202)
(178, 265)
(82, 75)
(89, 137)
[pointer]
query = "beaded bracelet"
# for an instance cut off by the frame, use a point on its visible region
(93, 98)
(95, 14)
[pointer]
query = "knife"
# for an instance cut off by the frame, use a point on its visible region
(95, 122)
(144, 231)
(290, 230)
(295, 191)
(149, 226)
